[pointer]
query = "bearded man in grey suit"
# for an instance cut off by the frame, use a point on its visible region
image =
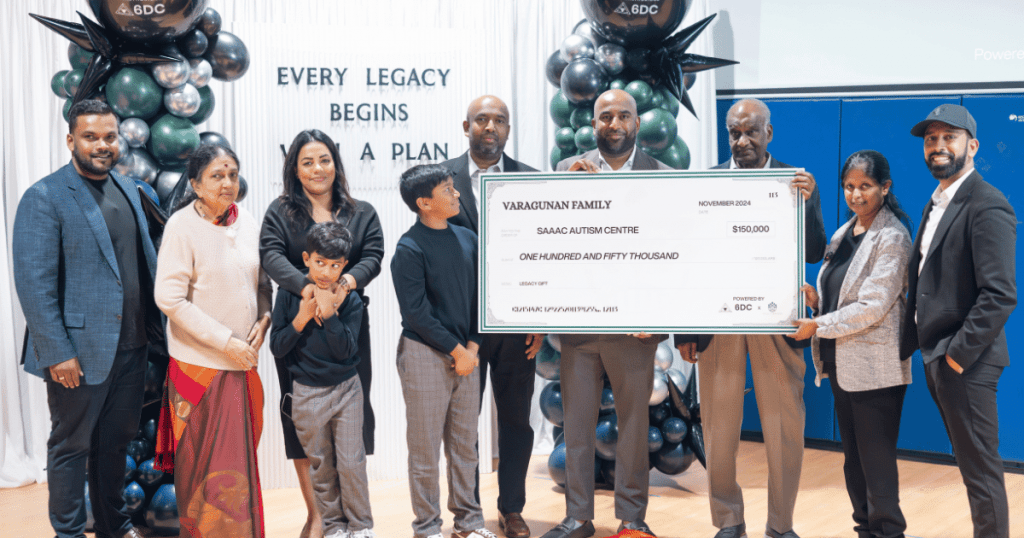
(776, 362)
(627, 359)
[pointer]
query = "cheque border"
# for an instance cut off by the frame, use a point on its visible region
(491, 181)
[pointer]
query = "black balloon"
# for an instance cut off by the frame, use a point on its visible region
(209, 22)
(210, 137)
(639, 60)
(631, 22)
(555, 66)
(228, 56)
(243, 189)
(153, 21)
(194, 44)
(583, 80)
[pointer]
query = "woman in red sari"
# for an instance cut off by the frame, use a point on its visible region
(217, 300)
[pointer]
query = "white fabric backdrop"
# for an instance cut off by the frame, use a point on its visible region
(522, 34)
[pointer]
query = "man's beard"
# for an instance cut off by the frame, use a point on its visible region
(86, 165)
(621, 147)
(948, 170)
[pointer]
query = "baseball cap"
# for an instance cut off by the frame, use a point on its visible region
(954, 115)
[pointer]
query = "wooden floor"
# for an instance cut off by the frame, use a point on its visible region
(933, 500)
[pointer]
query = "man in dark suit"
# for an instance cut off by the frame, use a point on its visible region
(83, 269)
(509, 356)
(776, 364)
(962, 290)
(627, 359)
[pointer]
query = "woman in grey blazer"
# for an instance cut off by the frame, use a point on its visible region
(856, 331)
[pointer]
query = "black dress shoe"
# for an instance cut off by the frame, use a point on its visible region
(769, 533)
(132, 533)
(570, 528)
(736, 531)
(638, 525)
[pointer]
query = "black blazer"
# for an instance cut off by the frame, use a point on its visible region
(469, 213)
(967, 287)
(815, 242)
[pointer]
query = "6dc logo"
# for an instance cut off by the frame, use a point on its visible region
(742, 307)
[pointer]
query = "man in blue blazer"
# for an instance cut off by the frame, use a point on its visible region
(962, 289)
(83, 269)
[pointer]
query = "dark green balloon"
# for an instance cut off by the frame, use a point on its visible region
(585, 138)
(642, 94)
(205, 106)
(677, 155)
(557, 155)
(581, 117)
(565, 139)
(560, 110)
(669, 103)
(72, 80)
(617, 84)
(134, 94)
(78, 56)
(57, 84)
(657, 99)
(67, 109)
(171, 139)
(657, 129)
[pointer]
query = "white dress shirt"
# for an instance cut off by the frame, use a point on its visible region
(940, 201)
(767, 162)
(605, 167)
(475, 171)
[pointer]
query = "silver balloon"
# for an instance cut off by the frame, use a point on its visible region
(122, 149)
(139, 165)
(663, 356)
(555, 341)
(172, 74)
(660, 390)
(165, 183)
(678, 378)
(612, 58)
(183, 101)
(583, 28)
(202, 71)
(135, 131)
(576, 46)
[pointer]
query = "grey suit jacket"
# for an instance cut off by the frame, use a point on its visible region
(469, 214)
(872, 299)
(642, 161)
(66, 274)
(968, 285)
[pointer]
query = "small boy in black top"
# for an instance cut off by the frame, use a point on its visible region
(316, 338)
(434, 272)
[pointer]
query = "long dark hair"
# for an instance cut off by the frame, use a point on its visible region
(874, 165)
(198, 160)
(297, 208)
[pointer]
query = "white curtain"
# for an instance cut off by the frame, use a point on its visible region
(524, 32)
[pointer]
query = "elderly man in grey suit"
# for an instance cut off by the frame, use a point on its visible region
(83, 269)
(963, 287)
(776, 362)
(627, 359)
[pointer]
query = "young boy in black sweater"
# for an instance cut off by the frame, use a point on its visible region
(316, 338)
(434, 272)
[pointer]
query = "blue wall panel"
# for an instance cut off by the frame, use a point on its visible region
(1000, 160)
(806, 134)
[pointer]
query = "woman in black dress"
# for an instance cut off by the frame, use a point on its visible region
(316, 190)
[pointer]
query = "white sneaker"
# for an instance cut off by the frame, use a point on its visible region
(365, 533)
(340, 533)
(438, 535)
(479, 533)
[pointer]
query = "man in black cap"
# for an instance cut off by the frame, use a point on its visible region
(962, 290)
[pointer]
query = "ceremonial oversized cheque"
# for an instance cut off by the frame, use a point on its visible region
(717, 251)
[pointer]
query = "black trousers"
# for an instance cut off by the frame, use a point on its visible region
(292, 446)
(869, 426)
(93, 423)
(512, 380)
(967, 403)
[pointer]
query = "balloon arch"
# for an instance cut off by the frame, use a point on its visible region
(627, 45)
